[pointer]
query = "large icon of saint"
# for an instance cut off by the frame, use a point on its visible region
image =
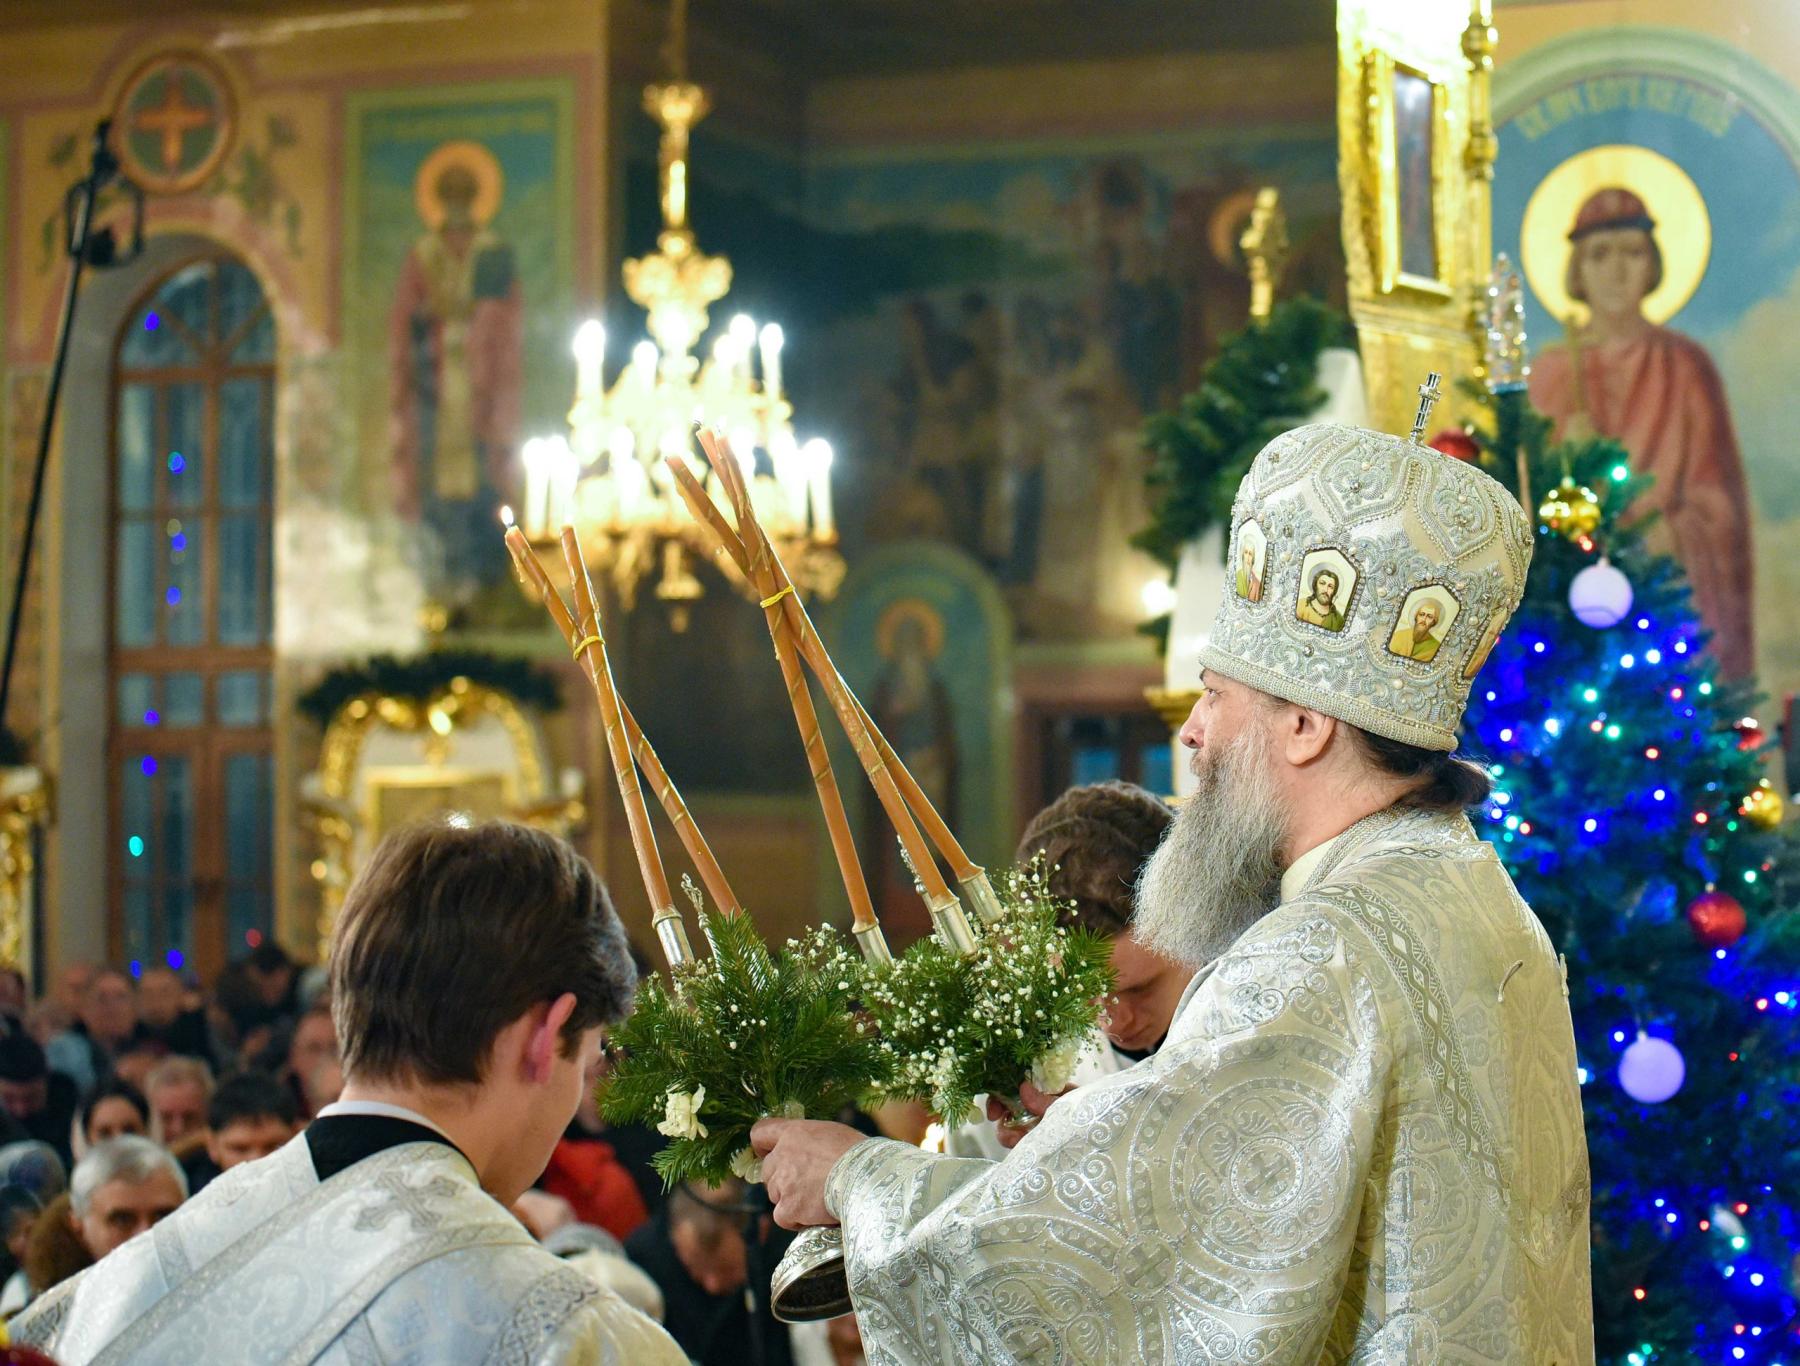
(1622, 374)
(455, 350)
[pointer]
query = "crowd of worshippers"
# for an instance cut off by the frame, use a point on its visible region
(122, 1095)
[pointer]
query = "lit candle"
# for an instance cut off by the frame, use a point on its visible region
(621, 452)
(590, 352)
(818, 465)
(633, 488)
(644, 359)
(562, 470)
(533, 510)
(790, 474)
(743, 342)
(771, 362)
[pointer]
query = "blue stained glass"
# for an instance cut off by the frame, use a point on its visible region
(177, 916)
(244, 455)
(148, 764)
(242, 698)
(137, 925)
(1158, 763)
(185, 411)
(248, 822)
(178, 542)
(134, 798)
(240, 296)
(243, 316)
(134, 601)
(151, 343)
(184, 699)
(184, 621)
(1093, 764)
(185, 296)
(175, 959)
(247, 914)
(249, 808)
(135, 436)
(258, 344)
(243, 581)
(177, 834)
(137, 699)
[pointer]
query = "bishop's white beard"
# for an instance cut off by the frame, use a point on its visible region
(1218, 870)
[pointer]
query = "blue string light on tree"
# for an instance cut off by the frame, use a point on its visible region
(1600, 596)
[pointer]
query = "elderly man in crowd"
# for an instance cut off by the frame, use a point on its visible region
(177, 1090)
(122, 1187)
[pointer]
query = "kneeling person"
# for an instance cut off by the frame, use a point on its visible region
(472, 972)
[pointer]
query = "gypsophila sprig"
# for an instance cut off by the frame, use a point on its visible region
(1024, 1004)
(743, 1034)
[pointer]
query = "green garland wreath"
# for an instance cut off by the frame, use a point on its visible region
(419, 676)
(1200, 451)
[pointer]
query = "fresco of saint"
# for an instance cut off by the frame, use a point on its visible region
(1658, 393)
(456, 362)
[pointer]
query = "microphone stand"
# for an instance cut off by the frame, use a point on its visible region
(86, 246)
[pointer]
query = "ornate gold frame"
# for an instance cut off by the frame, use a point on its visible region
(1379, 73)
(332, 812)
(1409, 325)
(25, 801)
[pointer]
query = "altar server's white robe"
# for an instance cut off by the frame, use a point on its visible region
(399, 1258)
(1362, 1141)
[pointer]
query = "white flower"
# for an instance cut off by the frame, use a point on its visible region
(681, 1114)
(747, 1166)
(1056, 1068)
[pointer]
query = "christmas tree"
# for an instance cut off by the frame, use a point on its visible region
(1632, 810)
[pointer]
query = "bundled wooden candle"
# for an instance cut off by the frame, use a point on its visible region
(981, 1006)
(742, 1033)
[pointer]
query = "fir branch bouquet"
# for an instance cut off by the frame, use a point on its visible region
(1023, 1005)
(742, 1035)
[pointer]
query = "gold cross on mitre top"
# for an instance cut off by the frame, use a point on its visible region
(1429, 394)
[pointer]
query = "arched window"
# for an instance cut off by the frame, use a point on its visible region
(190, 741)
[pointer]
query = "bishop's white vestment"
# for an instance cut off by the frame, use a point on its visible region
(1361, 1142)
(400, 1257)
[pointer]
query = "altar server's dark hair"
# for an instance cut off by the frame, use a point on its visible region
(1096, 840)
(455, 930)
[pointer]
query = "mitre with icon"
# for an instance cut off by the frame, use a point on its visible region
(1383, 571)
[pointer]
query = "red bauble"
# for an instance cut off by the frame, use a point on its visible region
(1718, 920)
(1457, 444)
(1749, 733)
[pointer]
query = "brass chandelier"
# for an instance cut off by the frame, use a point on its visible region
(607, 477)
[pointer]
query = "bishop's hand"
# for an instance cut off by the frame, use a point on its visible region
(797, 1157)
(1009, 1125)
